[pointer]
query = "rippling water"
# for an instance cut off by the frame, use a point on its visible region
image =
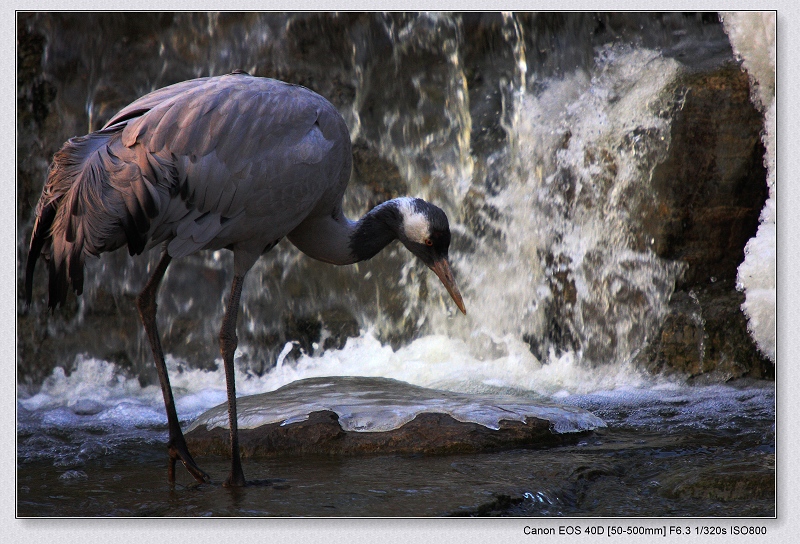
(667, 451)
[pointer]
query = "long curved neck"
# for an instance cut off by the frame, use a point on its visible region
(336, 239)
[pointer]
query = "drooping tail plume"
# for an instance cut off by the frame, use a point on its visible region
(96, 199)
(39, 237)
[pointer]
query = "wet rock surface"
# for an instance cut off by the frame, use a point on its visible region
(356, 415)
(427, 433)
(710, 192)
(712, 186)
(704, 337)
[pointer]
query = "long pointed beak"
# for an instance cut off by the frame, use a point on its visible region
(442, 270)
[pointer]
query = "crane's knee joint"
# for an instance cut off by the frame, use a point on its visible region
(227, 343)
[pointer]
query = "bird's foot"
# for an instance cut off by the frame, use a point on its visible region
(181, 453)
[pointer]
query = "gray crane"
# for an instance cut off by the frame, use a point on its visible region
(235, 162)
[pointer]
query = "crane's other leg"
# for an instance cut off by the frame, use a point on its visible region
(146, 303)
(227, 346)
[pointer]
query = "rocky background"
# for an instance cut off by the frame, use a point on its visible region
(76, 70)
(711, 190)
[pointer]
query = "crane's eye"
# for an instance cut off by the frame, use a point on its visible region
(428, 242)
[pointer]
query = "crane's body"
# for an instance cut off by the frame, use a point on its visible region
(222, 184)
(234, 162)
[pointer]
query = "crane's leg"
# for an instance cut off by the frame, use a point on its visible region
(227, 346)
(146, 303)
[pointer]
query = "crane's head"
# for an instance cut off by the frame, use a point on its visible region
(425, 231)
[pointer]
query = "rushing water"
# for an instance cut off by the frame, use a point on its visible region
(542, 165)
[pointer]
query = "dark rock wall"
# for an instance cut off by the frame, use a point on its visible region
(710, 192)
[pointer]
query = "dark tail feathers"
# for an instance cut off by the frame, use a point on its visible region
(39, 237)
(99, 196)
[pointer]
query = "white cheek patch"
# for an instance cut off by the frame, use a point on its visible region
(415, 224)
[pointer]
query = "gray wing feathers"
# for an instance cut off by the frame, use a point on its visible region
(195, 233)
(239, 141)
(146, 103)
(312, 148)
(224, 160)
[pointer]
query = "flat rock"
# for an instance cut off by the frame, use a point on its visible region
(356, 415)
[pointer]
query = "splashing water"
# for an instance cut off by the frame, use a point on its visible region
(576, 173)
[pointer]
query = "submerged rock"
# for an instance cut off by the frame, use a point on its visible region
(353, 415)
(730, 481)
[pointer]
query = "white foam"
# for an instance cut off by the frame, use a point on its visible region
(441, 362)
(752, 36)
(108, 400)
(91, 381)
(97, 392)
